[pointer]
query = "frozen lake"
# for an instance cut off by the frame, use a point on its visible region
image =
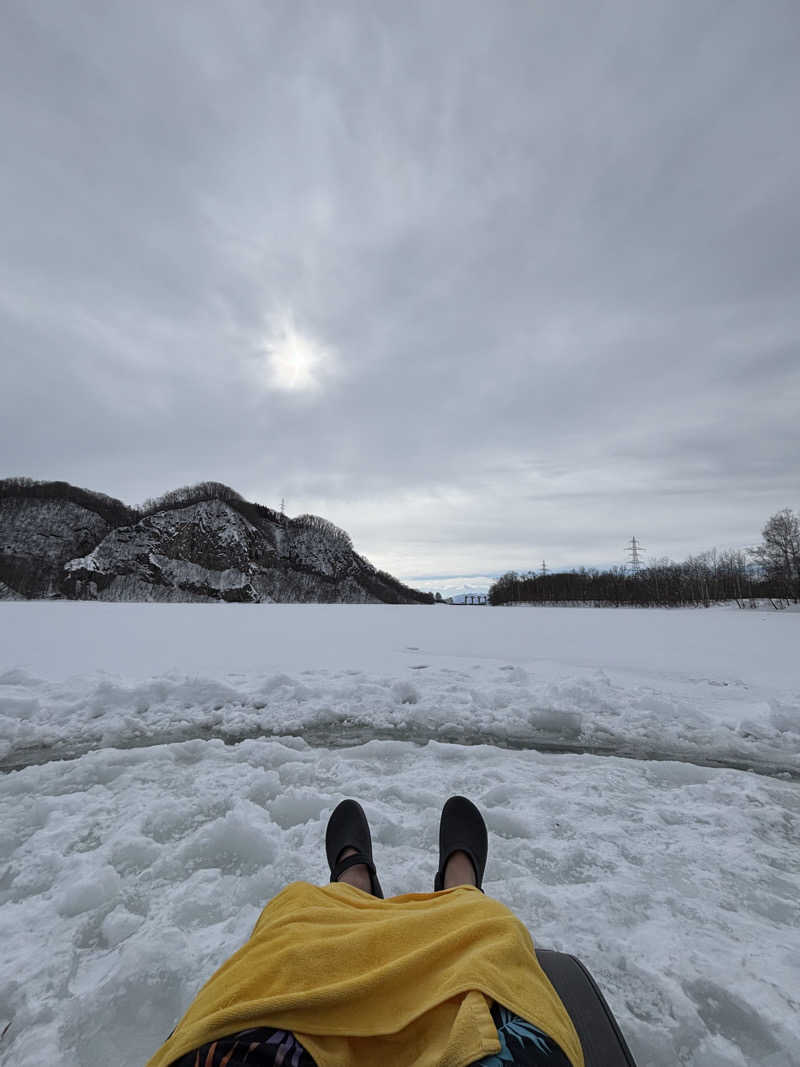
(209, 743)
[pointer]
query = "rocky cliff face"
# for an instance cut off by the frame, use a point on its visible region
(37, 537)
(208, 551)
(191, 550)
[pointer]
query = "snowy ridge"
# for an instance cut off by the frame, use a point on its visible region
(580, 713)
(658, 684)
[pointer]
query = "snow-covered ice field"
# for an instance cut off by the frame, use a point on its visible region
(170, 767)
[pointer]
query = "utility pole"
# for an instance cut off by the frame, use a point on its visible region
(633, 550)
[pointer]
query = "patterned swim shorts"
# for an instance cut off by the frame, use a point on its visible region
(521, 1044)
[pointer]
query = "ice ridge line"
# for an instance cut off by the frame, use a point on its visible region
(345, 735)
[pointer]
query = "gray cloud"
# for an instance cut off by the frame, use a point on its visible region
(555, 252)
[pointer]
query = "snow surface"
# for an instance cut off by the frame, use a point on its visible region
(211, 742)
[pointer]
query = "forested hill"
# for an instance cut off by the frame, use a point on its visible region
(200, 543)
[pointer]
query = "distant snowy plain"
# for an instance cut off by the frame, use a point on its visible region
(168, 768)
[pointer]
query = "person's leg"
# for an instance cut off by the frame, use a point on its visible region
(463, 845)
(348, 847)
(459, 871)
(357, 875)
(463, 849)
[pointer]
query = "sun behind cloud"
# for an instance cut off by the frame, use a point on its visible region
(295, 362)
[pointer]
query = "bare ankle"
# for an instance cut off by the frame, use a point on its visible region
(459, 871)
(357, 875)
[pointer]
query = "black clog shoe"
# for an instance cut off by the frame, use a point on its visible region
(348, 828)
(462, 829)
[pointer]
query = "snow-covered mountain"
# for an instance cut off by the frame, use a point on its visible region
(201, 544)
(38, 535)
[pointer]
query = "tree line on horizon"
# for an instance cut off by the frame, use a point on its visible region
(770, 570)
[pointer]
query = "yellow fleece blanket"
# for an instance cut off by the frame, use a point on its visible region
(404, 981)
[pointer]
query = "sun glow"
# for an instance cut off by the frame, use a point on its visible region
(295, 361)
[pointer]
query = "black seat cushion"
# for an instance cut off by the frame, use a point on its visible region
(600, 1035)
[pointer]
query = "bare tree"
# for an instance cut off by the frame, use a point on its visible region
(779, 553)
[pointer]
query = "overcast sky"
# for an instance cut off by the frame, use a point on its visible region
(483, 283)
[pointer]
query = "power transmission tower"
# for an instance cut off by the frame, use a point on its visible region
(283, 511)
(544, 569)
(633, 550)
